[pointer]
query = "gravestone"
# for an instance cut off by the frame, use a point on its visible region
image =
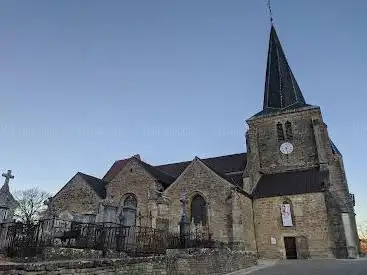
(184, 223)
(7, 202)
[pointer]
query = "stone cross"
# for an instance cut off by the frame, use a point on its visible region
(183, 201)
(8, 176)
(184, 223)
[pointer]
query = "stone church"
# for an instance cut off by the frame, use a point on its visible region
(285, 197)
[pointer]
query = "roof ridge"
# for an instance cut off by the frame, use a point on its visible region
(84, 174)
(293, 171)
(224, 176)
(222, 156)
(154, 167)
(226, 155)
(172, 163)
(113, 168)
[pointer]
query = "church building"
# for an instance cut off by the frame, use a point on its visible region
(287, 196)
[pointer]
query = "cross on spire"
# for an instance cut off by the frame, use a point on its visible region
(8, 176)
(270, 12)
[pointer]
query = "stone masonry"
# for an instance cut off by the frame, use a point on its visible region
(133, 179)
(229, 211)
(206, 261)
(310, 219)
(75, 197)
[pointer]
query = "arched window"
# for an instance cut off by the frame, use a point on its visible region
(199, 210)
(280, 131)
(287, 213)
(288, 130)
(129, 211)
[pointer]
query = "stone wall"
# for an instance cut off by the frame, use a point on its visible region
(77, 196)
(133, 178)
(247, 222)
(229, 211)
(204, 261)
(263, 145)
(310, 226)
(339, 203)
(338, 185)
(199, 179)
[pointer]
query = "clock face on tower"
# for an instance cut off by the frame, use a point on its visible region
(286, 148)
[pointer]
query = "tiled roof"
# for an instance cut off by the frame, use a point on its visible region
(161, 176)
(115, 169)
(236, 179)
(290, 183)
(274, 111)
(98, 185)
(228, 164)
(281, 88)
(173, 169)
(229, 167)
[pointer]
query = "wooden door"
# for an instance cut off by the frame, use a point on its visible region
(290, 247)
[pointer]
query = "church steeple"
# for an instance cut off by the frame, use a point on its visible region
(281, 88)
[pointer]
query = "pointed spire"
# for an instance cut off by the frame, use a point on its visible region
(281, 88)
(5, 188)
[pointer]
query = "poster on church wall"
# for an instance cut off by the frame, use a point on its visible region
(273, 240)
(286, 215)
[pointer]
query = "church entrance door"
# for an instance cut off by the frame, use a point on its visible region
(290, 247)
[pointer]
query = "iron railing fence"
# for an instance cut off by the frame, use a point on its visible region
(22, 240)
(190, 240)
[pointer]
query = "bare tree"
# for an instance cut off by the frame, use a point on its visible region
(31, 205)
(362, 231)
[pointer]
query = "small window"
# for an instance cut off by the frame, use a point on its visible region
(288, 130)
(280, 131)
(5, 214)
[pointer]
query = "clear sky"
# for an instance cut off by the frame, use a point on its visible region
(84, 83)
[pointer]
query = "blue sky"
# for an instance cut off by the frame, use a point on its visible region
(84, 83)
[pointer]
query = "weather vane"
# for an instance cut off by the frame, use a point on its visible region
(270, 12)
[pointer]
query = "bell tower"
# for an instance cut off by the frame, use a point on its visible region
(289, 136)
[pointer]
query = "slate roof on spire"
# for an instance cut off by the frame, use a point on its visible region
(281, 88)
(6, 198)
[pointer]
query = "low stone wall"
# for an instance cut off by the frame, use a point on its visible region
(209, 261)
(62, 253)
(203, 261)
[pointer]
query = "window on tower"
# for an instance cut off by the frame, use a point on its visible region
(288, 130)
(280, 131)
